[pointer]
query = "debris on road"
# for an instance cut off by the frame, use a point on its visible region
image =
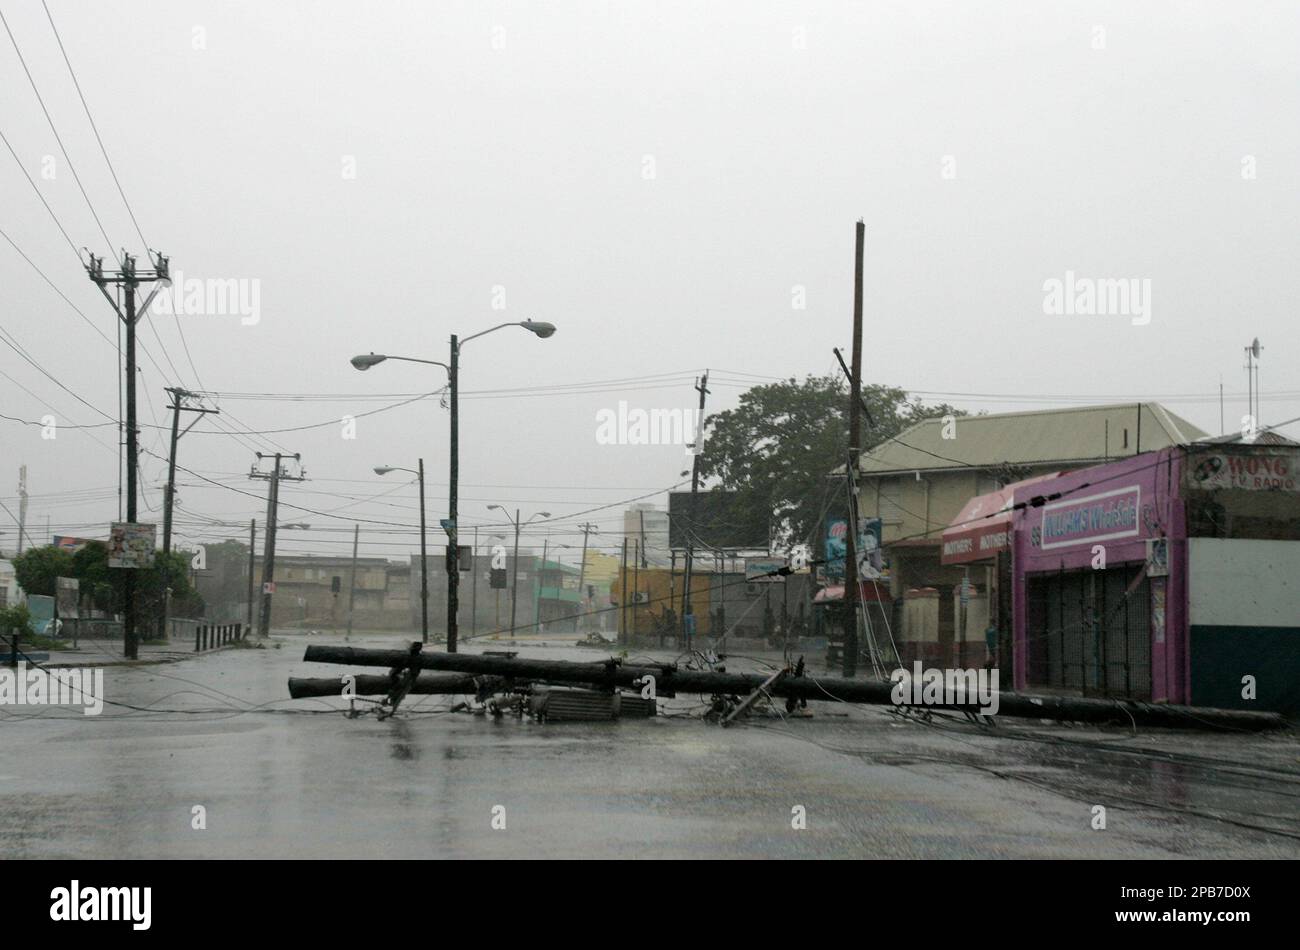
(669, 680)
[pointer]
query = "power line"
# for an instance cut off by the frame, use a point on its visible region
(9, 340)
(53, 286)
(57, 223)
(93, 127)
(57, 138)
(115, 346)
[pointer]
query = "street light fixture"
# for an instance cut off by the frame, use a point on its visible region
(366, 360)
(542, 329)
(424, 554)
(514, 570)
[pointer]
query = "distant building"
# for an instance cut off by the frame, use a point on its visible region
(559, 600)
(314, 591)
(645, 528)
(10, 592)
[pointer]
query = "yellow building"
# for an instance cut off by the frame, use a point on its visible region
(646, 596)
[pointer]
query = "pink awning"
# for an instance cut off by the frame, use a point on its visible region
(983, 527)
(867, 591)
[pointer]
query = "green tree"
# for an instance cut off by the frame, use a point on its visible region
(778, 447)
(17, 618)
(36, 568)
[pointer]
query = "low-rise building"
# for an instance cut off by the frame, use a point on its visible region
(918, 482)
(1173, 576)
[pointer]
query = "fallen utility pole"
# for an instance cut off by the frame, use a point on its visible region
(373, 684)
(671, 680)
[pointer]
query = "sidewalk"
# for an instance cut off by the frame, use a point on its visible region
(109, 653)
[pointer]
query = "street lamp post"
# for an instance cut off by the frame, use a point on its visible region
(514, 571)
(365, 361)
(424, 554)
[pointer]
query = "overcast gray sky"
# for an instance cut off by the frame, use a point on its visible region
(663, 181)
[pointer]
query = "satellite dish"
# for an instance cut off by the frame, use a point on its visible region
(1255, 348)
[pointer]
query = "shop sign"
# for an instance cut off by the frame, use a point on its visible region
(1246, 471)
(1103, 517)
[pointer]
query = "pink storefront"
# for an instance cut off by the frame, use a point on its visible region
(1100, 581)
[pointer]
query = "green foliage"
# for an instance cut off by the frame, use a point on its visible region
(36, 568)
(778, 447)
(16, 617)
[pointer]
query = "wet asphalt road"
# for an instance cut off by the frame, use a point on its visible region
(295, 778)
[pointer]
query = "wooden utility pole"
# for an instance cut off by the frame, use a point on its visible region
(473, 588)
(352, 584)
(453, 495)
(702, 387)
(587, 528)
(252, 549)
(537, 601)
(424, 566)
(128, 278)
(850, 602)
(622, 596)
(169, 500)
(22, 505)
(642, 549)
(276, 476)
(514, 577)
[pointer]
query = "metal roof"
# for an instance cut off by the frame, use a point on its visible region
(1058, 437)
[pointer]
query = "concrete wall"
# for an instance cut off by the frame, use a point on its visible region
(1244, 610)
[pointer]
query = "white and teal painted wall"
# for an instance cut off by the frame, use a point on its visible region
(1244, 617)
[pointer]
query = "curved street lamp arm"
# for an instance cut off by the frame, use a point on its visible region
(474, 336)
(411, 359)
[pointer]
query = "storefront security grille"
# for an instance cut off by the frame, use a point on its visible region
(1089, 633)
